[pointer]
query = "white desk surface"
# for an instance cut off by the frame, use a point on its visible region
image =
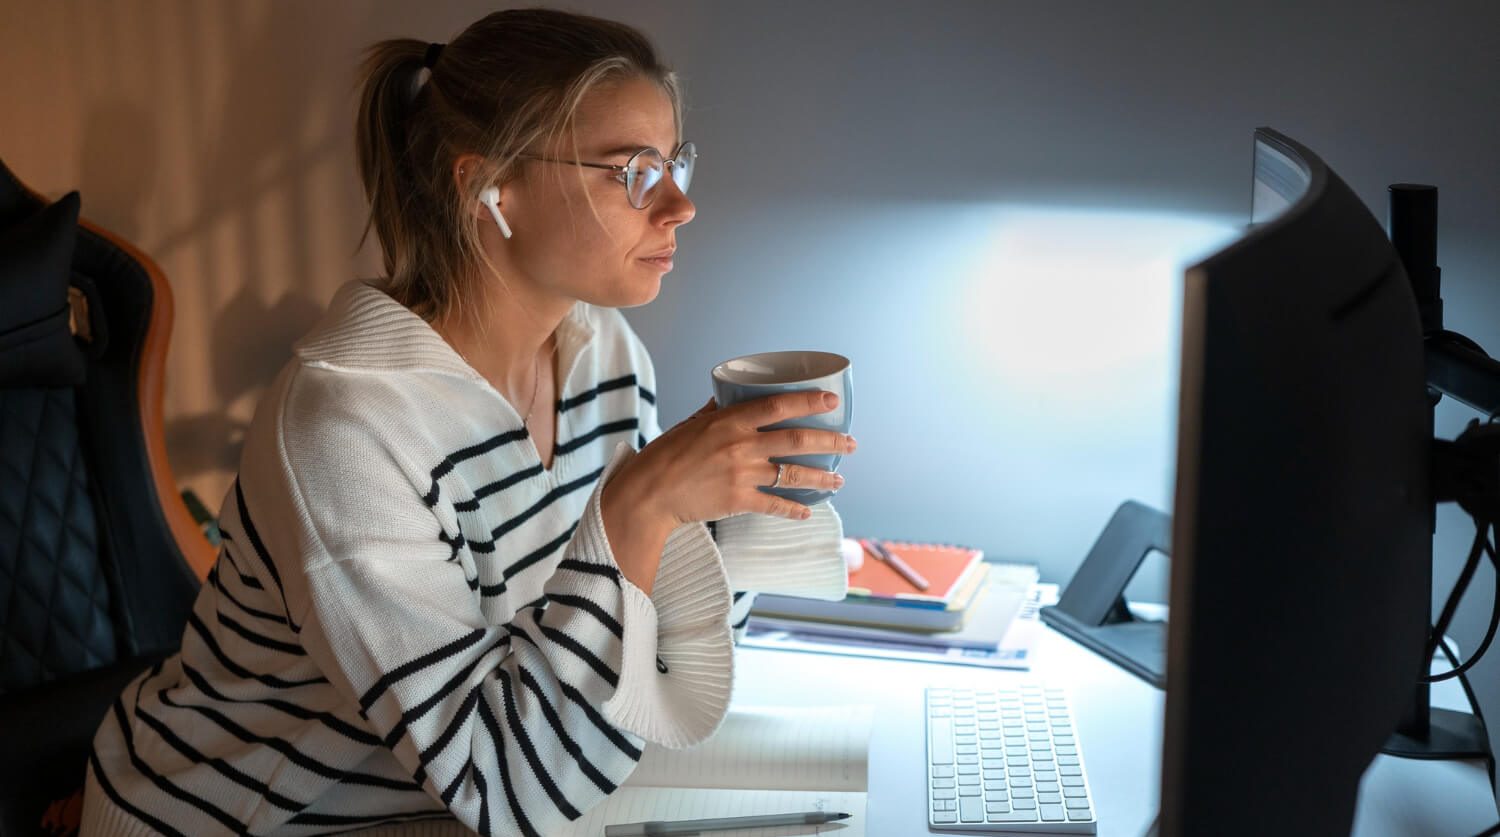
(1119, 721)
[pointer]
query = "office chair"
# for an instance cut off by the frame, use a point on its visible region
(100, 559)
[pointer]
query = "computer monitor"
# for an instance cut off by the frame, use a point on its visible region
(1299, 600)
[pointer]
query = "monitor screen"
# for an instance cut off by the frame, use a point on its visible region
(1300, 529)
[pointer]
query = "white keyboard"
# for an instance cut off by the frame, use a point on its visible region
(1005, 760)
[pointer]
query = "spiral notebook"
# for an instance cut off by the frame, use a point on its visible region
(761, 761)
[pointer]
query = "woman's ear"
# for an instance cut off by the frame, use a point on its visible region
(465, 169)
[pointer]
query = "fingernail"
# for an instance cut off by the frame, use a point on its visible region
(830, 400)
(852, 444)
(838, 481)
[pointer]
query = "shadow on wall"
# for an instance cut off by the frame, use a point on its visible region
(247, 106)
(249, 343)
(119, 162)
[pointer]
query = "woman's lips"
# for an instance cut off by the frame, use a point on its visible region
(662, 262)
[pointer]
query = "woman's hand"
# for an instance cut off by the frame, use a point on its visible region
(711, 466)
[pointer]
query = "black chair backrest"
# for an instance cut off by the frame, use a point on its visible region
(93, 569)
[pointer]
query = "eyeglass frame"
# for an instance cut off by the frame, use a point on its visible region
(666, 163)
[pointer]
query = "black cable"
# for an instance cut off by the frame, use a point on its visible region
(1489, 832)
(1456, 594)
(1490, 635)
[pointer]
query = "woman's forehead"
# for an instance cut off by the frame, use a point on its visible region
(625, 117)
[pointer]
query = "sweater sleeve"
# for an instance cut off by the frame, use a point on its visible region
(515, 728)
(769, 554)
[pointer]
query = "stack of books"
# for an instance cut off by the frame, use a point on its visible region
(973, 612)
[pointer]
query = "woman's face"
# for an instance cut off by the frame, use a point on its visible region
(601, 255)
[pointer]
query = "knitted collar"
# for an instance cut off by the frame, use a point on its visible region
(365, 330)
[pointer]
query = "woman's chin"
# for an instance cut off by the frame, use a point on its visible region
(642, 291)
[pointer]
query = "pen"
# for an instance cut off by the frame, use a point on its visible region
(882, 554)
(682, 828)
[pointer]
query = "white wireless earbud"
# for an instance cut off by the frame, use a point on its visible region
(490, 197)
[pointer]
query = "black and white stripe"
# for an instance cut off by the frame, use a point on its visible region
(322, 688)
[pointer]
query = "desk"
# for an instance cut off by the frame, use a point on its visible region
(1119, 721)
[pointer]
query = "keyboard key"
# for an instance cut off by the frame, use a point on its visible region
(944, 817)
(968, 758)
(992, 764)
(945, 804)
(962, 780)
(1046, 787)
(1075, 802)
(966, 769)
(940, 737)
(944, 793)
(997, 807)
(1023, 804)
(1020, 781)
(943, 783)
(1049, 798)
(1075, 793)
(971, 809)
(1014, 816)
(1071, 761)
(1080, 814)
(1053, 813)
(942, 771)
(1070, 771)
(969, 790)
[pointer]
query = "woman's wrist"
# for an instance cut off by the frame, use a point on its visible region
(636, 533)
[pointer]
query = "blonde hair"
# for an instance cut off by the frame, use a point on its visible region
(510, 84)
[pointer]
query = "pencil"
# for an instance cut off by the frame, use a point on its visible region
(877, 549)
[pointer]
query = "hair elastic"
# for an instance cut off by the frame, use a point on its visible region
(429, 59)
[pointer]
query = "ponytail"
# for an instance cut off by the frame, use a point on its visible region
(391, 71)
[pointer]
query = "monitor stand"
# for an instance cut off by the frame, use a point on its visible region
(1093, 611)
(1460, 368)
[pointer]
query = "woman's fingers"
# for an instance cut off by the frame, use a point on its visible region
(800, 441)
(801, 476)
(771, 409)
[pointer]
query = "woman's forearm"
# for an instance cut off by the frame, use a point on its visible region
(636, 535)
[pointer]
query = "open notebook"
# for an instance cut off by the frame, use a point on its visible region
(761, 761)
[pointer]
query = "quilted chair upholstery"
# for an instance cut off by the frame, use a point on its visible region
(99, 558)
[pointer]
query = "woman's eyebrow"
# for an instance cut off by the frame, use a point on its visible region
(625, 150)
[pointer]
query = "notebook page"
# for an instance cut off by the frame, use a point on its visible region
(644, 804)
(770, 748)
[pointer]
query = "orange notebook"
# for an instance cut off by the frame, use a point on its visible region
(946, 567)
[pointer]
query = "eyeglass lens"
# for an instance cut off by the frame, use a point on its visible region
(645, 171)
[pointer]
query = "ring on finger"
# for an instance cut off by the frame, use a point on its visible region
(780, 472)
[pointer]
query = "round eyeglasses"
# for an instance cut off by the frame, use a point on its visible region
(643, 172)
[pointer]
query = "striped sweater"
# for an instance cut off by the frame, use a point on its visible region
(415, 628)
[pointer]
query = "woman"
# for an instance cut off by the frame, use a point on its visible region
(441, 605)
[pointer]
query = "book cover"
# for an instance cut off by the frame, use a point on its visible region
(1014, 652)
(947, 568)
(1002, 591)
(865, 610)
